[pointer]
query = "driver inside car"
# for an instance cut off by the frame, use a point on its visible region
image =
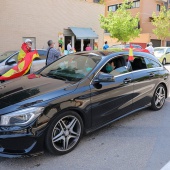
(110, 66)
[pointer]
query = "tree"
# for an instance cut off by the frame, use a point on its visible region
(162, 24)
(101, 2)
(121, 24)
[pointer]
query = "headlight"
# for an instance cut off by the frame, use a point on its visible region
(21, 117)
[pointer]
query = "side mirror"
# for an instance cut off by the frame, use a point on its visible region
(104, 77)
(11, 62)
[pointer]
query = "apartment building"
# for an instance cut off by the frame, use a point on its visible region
(145, 8)
(41, 20)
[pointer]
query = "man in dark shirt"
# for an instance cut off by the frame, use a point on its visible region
(52, 53)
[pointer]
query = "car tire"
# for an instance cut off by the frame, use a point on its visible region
(64, 133)
(158, 98)
(164, 61)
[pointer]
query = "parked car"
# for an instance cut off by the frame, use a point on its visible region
(6, 54)
(9, 61)
(125, 46)
(163, 54)
(75, 95)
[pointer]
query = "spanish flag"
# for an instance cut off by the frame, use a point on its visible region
(131, 57)
(23, 51)
(21, 68)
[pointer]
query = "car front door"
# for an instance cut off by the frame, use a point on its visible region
(10, 63)
(111, 100)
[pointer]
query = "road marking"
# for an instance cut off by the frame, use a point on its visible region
(166, 167)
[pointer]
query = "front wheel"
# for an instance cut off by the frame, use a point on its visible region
(64, 133)
(158, 98)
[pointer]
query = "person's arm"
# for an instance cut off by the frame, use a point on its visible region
(57, 54)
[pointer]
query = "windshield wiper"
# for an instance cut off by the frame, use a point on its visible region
(57, 77)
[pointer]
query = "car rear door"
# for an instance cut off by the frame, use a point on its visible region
(112, 99)
(39, 63)
(145, 79)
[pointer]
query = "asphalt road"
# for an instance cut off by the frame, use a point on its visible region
(138, 142)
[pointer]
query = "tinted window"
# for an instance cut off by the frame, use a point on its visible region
(138, 63)
(151, 64)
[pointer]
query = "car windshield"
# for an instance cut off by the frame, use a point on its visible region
(5, 55)
(73, 67)
(159, 51)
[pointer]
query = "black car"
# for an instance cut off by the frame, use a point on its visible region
(75, 95)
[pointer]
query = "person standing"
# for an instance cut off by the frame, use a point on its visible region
(60, 48)
(105, 46)
(52, 53)
(88, 48)
(69, 48)
(25, 48)
(150, 48)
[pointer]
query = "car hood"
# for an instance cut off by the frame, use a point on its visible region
(24, 90)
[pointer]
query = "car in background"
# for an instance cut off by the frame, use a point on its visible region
(74, 95)
(162, 54)
(9, 61)
(126, 46)
(6, 54)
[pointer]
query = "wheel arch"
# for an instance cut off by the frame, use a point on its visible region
(78, 111)
(165, 88)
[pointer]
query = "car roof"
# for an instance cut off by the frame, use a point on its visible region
(161, 47)
(115, 52)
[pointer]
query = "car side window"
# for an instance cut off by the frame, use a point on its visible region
(138, 63)
(116, 66)
(151, 64)
(168, 51)
(42, 54)
(14, 58)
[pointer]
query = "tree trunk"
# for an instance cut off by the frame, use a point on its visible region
(163, 43)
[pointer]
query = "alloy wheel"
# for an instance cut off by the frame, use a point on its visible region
(159, 97)
(66, 133)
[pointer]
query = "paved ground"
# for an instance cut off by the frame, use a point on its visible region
(138, 142)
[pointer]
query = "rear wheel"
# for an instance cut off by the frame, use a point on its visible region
(158, 98)
(164, 61)
(64, 133)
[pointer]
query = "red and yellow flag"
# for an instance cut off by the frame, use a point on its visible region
(23, 51)
(131, 57)
(21, 68)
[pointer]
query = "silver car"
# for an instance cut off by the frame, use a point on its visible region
(9, 61)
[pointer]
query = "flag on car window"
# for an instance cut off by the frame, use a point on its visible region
(131, 57)
(21, 68)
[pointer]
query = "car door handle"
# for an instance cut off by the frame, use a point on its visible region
(151, 75)
(127, 80)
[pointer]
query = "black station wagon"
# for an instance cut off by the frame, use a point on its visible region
(75, 95)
